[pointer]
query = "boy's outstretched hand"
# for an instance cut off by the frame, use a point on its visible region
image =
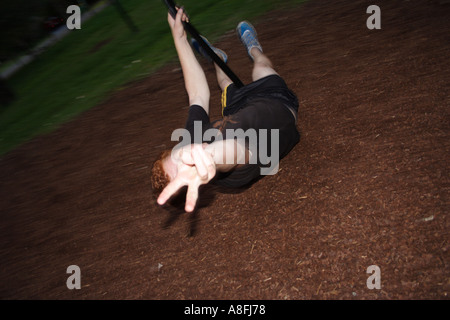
(195, 167)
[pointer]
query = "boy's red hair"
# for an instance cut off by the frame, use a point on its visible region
(159, 177)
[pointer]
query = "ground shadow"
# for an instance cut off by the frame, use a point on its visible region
(175, 208)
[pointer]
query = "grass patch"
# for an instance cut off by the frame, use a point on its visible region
(81, 70)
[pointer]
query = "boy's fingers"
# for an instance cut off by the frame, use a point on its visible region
(191, 197)
(169, 191)
(184, 16)
(208, 169)
(180, 14)
(199, 160)
(186, 156)
(211, 170)
(209, 162)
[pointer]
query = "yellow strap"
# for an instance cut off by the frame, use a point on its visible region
(224, 99)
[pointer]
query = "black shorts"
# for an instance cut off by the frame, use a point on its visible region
(272, 86)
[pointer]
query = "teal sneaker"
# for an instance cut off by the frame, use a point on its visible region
(202, 51)
(247, 34)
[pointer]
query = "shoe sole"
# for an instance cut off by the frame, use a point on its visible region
(223, 54)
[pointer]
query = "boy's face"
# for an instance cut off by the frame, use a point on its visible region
(170, 167)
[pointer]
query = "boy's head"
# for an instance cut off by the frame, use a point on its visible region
(162, 171)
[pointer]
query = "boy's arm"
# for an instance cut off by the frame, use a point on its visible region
(194, 77)
(228, 154)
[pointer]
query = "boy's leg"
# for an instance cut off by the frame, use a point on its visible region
(222, 79)
(262, 66)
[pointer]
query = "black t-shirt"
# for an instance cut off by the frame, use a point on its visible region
(260, 114)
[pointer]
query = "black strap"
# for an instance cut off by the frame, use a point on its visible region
(195, 34)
